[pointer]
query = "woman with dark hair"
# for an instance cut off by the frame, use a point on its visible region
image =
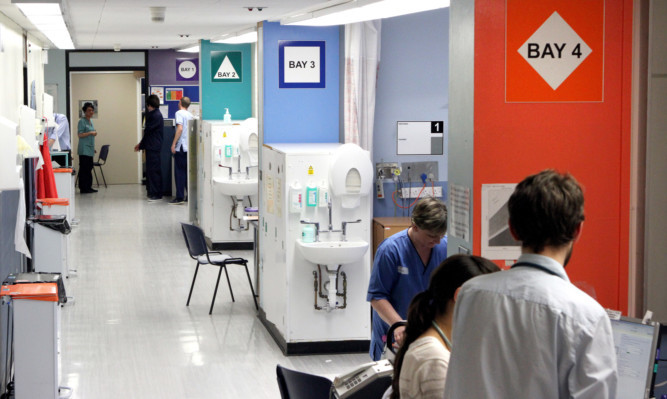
(420, 367)
(86, 149)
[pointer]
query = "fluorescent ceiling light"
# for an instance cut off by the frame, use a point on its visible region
(47, 17)
(362, 10)
(191, 49)
(248, 35)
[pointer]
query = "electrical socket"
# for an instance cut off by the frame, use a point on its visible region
(413, 192)
(411, 171)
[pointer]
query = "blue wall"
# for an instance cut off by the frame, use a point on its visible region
(412, 85)
(300, 115)
(216, 96)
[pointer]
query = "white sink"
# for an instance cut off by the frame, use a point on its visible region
(332, 252)
(235, 187)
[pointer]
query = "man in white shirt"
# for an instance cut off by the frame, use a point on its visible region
(60, 134)
(528, 332)
(180, 150)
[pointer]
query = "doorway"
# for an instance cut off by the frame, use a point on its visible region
(117, 120)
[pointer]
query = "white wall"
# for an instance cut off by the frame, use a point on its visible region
(11, 67)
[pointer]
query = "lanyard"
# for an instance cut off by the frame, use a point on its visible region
(442, 334)
(535, 266)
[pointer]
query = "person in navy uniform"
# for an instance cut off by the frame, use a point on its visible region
(151, 142)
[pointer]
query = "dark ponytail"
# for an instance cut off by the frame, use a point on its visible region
(425, 306)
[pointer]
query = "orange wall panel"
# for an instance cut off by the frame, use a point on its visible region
(591, 140)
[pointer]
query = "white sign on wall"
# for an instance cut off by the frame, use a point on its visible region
(302, 64)
(420, 138)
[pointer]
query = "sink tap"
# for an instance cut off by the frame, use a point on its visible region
(344, 238)
(317, 229)
(228, 168)
(329, 206)
(247, 171)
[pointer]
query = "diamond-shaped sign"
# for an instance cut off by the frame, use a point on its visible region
(555, 50)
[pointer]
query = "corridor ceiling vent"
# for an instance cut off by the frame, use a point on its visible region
(157, 14)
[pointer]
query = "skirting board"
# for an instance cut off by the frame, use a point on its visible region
(314, 347)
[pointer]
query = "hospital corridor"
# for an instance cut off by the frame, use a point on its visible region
(128, 333)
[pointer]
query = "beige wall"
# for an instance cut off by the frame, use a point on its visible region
(116, 122)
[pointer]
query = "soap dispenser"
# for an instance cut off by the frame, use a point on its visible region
(227, 117)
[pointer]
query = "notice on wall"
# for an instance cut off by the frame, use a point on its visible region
(554, 51)
(269, 194)
(278, 186)
(497, 242)
(159, 92)
(301, 64)
(173, 94)
(164, 110)
(459, 197)
(420, 138)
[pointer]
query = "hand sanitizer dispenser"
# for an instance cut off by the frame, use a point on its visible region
(311, 195)
(228, 117)
(295, 198)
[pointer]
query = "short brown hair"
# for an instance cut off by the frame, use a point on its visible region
(546, 209)
(430, 214)
(185, 102)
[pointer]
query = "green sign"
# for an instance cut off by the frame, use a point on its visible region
(226, 66)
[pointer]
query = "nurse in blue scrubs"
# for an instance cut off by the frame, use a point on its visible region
(402, 268)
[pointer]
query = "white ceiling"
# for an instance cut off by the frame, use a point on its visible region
(101, 24)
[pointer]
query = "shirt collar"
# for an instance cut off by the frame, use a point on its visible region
(545, 262)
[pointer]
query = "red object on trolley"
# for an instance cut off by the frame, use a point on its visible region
(46, 181)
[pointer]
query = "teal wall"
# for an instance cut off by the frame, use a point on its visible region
(216, 96)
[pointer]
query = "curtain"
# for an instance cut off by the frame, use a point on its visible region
(362, 60)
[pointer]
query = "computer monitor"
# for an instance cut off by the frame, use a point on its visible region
(635, 345)
(660, 382)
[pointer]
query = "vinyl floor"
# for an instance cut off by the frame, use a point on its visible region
(128, 333)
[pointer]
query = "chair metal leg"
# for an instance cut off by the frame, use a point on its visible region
(254, 297)
(103, 178)
(95, 173)
(193, 284)
(216, 290)
(229, 284)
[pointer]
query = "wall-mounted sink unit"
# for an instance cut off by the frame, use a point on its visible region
(333, 252)
(240, 187)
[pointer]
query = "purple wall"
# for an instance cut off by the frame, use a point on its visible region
(162, 67)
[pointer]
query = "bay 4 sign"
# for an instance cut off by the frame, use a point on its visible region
(226, 66)
(554, 51)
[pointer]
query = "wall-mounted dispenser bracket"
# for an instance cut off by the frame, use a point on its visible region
(386, 170)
